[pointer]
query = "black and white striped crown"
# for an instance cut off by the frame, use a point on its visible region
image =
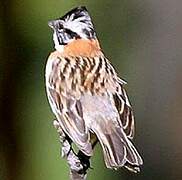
(73, 25)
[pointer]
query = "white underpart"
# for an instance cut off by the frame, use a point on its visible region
(57, 46)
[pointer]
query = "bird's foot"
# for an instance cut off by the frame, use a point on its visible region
(84, 160)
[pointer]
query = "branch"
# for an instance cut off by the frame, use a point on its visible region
(78, 163)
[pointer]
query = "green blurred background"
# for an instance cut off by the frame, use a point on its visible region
(142, 38)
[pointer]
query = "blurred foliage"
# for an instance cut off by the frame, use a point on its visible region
(142, 39)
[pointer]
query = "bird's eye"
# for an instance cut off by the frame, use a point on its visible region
(60, 26)
(72, 33)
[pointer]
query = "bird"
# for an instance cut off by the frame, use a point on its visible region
(86, 94)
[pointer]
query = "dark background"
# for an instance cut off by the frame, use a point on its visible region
(142, 38)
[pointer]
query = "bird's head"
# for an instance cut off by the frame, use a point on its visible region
(76, 24)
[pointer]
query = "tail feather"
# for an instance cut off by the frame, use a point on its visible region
(118, 149)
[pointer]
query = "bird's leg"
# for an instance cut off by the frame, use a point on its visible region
(84, 159)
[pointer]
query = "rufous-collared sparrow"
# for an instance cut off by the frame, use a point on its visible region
(86, 95)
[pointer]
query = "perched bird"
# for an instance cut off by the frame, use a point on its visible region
(86, 95)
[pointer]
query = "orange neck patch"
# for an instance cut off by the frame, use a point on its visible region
(82, 47)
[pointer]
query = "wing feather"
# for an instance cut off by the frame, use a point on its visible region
(125, 111)
(66, 105)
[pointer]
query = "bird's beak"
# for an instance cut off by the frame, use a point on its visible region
(55, 24)
(51, 24)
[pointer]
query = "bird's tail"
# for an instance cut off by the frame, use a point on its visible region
(118, 149)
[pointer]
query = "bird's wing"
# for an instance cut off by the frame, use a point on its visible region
(66, 105)
(111, 116)
(120, 99)
(125, 111)
(108, 109)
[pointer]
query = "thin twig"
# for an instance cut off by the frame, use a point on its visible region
(78, 163)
